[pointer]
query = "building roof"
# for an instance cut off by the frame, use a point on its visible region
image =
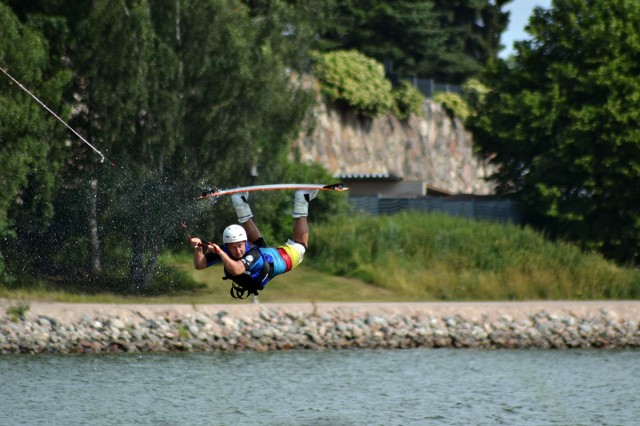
(369, 177)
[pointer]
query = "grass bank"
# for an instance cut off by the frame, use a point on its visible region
(407, 257)
(439, 257)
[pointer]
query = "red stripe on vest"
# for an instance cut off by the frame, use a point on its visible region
(286, 258)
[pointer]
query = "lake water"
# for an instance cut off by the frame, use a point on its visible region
(363, 387)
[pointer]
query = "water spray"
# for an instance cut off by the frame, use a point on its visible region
(103, 158)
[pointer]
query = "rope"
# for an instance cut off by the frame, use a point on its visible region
(103, 158)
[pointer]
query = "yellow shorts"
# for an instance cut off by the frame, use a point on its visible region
(286, 257)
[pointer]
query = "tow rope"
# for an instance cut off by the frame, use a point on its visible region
(104, 159)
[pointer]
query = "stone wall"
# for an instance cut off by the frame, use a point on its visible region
(54, 328)
(431, 148)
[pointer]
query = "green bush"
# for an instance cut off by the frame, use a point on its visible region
(474, 92)
(407, 100)
(453, 104)
(17, 312)
(355, 80)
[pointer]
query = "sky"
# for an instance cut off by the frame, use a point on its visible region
(520, 10)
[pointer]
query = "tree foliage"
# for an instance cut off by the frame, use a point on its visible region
(126, 79)
(561, 120)
(473, 29)
(176, 94)
(244, 98)
(352, 79)
(181, 96)
(453, 103)
(446, 40)
(405, 32)
(407, 100)
(31, 143)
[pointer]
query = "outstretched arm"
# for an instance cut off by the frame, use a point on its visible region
(234, 267)
(199, 259)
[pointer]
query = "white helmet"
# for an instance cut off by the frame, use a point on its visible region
(234, 234)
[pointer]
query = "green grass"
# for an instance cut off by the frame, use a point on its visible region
(438, 257)
(303, 284)
(405, 257)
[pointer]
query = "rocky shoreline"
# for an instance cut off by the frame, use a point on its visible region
(86, 328)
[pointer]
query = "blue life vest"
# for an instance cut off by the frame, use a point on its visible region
(258, 268)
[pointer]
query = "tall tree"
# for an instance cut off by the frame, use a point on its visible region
(244, 96)
(405, 32)
(131, 110)
(561, 123)
(31, 142)
(176, 94)
(447, 40)
(173, 93)
(473, 29)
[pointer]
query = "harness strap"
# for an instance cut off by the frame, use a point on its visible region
(242, 291)
(238, 291)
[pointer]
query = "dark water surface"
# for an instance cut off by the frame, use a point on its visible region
(363, 387)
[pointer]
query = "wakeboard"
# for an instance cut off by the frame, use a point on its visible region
(273, 187)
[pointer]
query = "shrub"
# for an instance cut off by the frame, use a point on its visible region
(16, 312)
(474, 92)
(354, 79)
(453, 104)
(407, 100)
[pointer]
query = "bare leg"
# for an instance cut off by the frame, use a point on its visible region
(301, 230)
(300, 212)
(253, 233)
